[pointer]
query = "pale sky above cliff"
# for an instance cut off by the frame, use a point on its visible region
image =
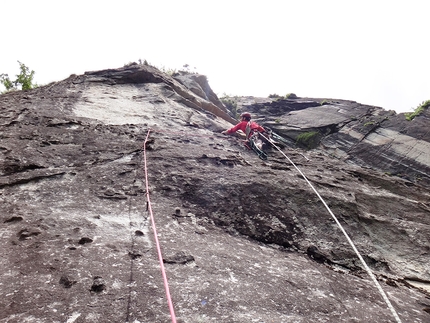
(373, 52)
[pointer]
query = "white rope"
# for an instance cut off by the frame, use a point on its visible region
(368, 270)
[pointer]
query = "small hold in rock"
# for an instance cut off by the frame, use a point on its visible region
(134, 255)
(98, 284)
(178, 258)
(67, 282)
(24, 234)
(316, 254)
(109, 192)
(85, 240)
(179, 214)
(72, 248)
(391, 282)
(112, 246)
(138, 233)
(14, 219)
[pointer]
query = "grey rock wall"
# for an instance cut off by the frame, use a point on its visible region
(364, 135)
(242, 240)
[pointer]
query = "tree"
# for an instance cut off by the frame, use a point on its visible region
(24, 80)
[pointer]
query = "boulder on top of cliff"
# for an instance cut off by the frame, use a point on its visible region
(197, 97)
(198, 84)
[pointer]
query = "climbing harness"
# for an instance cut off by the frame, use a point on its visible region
(154, 229)
(368, 270)
(254, 141)
(256, 144)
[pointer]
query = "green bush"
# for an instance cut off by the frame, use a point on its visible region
(274, 96)
(308, 139)
(291, 96)
(420, 109)
(167, 70)
(24, 80)
(7, 83)
(144, 62)
(230, 103)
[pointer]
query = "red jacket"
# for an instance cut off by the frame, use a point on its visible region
(242, 126)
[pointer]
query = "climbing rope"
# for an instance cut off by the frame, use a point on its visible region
(154, 229)
(368, 270)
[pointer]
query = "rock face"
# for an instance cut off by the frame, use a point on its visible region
(242, 240)
(360, 134)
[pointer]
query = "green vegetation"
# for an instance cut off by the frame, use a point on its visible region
(308, 139)
(291, 96)
(230, 103)
(324, 102)
(420, 109)
(274, 96)
(370, 123)
(23, 81)
(279, 97)
(186, 68)
(144, 62)
(168, 71)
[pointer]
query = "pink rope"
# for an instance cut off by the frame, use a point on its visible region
(160, 257)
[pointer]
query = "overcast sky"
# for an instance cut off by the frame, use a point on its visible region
(373, 52)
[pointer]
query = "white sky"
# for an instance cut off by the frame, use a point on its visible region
(373, 52)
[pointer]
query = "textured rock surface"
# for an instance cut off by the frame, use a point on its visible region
(243, 240)
(361, 134)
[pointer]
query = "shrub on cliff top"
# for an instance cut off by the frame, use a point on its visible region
(23, 81)
(230, 103)
(274, 96)
(291, 96)
(420, 109)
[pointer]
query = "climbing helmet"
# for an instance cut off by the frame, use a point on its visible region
(246, 115)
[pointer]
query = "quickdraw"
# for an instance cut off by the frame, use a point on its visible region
(256, 143)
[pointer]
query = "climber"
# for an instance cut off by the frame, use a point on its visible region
(246, 125)
(253, 131)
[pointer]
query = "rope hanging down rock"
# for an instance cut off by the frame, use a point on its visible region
(368, 270)
(154, 229)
